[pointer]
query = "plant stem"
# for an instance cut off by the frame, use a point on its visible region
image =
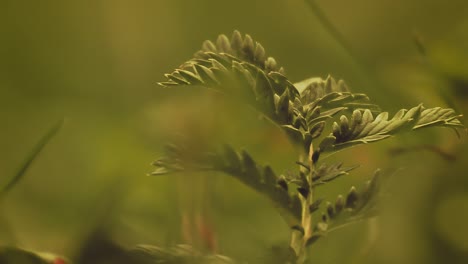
(299, 238)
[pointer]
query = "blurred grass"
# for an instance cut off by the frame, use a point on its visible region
(7, 186)
(97, 62)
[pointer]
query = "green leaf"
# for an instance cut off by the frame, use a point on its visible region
(240, 68)
(326, 173)
(240, 166)
(327, 143)
(327, 93)
(362, 128)
(265, 94)
(243, 48)
(316, 130)
(223, 43)
(353, 207)
(206, 75)
(438, 117)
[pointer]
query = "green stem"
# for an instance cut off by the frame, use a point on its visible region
(299, 238)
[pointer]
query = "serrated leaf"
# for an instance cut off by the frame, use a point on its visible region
(209, 46)
(242, 60)
(339, 204)
(282, 109)
(223, 44)
(190, 77)
(239, 67)
(326, 92)
(167, 84)
(176, 79)
(326, 143)
(263, 88)
(240, 166)
(248, 48)
(363, 128)
(206, 75)
(438, 117)
(220, 58)
(249, 165)
(326, 173)
(216, 66)
(316, 130)
(236, 42)
(352, 198)
(282, 83)
(271, 64)
(259, 54)
(232, 158)
(358, 206)
(161, 171)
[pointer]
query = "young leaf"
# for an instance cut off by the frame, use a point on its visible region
(327, 93)
(363, 128)
(326, 173)
(355, 206)
(244, 48)
(240, 68)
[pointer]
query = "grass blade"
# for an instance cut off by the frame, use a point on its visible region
(332, 30)
(30, 158)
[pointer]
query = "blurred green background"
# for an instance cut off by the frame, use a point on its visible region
(96, 63)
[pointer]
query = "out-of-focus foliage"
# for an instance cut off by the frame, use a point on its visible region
(29, 159)
(96, 63)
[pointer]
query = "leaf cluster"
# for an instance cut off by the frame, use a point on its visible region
(307, 112)
(239, 67)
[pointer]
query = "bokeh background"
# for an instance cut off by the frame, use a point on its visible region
(96, 64)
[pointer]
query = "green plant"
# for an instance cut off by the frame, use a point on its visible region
(318, 116)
